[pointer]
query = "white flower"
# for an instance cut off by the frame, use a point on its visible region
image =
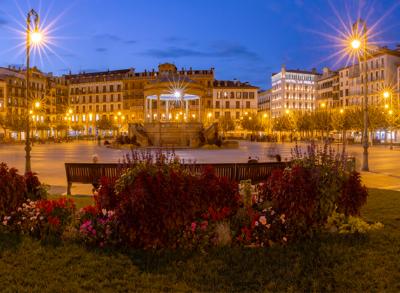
(272, 212)
(256, 223)
(104, 211)
(41, 218)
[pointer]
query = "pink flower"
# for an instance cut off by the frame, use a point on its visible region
(193, 226)
(263, 220)
(284, 239)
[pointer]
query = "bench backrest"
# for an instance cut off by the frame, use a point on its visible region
(90, 172)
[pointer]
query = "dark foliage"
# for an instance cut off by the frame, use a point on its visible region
(157, 201)
(354, 195)
(12, 189)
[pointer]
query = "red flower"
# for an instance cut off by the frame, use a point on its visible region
(54, 221)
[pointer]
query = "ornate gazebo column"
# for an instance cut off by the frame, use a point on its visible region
(145, 109)
(167, 109)
(158, 108)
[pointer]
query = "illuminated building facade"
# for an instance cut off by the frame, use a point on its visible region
(233, 99)
(327, 86)
(293, 90)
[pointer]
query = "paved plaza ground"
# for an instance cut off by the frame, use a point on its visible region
(48, 160)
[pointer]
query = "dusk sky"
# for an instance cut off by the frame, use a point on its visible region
(242, 39)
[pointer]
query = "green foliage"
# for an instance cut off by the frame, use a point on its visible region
(105, 124)
(349, 225)
(226, 123)
(284, 123)
(328, 263)
(251, 122)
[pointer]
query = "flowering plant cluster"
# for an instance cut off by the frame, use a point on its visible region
(97, 227)
(15, 189)
(344, 224)
(43, 219)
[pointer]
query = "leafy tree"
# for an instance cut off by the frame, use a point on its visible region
(284, 123)
(226, 124)
(251, 122)
(105, 124)
(77, 127)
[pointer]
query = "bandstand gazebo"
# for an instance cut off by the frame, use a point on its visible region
(172, 111)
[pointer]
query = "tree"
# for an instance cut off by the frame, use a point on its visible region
(226, 124)
(104, 124)
(252, 123)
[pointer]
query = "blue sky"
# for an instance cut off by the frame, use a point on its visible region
(242, 39)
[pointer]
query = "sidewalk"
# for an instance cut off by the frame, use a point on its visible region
(380, 180)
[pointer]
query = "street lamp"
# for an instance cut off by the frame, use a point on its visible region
(358, 43)
(386, 95)
(32, 38)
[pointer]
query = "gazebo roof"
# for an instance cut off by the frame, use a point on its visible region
(169, 83)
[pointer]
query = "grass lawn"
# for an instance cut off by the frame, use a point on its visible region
(336, 263)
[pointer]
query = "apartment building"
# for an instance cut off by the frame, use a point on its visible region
(264, 103)
(233, 99)
(327, 89)
(293, 90)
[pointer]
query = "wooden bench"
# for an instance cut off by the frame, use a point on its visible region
(89, 173)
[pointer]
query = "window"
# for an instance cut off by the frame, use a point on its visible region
(245, 95)
(111, 107)
(104, 98)
(104, 108)
(97, 108)
(83, 109)
(237, 104)
(227, 105)
(119, 106)
(217, 105)
(216, 115)
(90, 99)
(119, 97)
(97, 99)
(104, 88)
(112, 98)
(247, 104)
(237, 115)
(228, 115)
(84, 99)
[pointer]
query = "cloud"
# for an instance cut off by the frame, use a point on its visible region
(220, 50)
(112, 38)
(101, 50)
(107, 37)
(174, 52)
(130, 42)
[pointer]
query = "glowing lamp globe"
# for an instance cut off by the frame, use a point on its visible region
(386, 94)
(36, 37)
(356, 44)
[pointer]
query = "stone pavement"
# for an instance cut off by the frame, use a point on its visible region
(381, 180)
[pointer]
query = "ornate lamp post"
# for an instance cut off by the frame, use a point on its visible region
(32, 37)
(359, 43)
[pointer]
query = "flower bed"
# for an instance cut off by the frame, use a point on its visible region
(158, 204)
